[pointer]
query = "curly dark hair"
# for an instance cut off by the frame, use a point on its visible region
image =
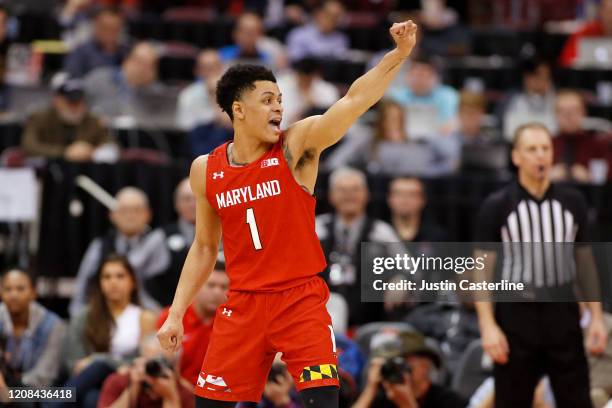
(238, 79)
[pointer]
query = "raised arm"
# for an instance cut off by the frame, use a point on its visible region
(316, 133)
(200, 260)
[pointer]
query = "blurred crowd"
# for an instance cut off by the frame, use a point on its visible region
(75, 74)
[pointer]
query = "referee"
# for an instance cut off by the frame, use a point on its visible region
(529, 340)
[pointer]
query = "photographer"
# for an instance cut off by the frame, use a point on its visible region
(280, 390)
(400, 376)
(151, 381)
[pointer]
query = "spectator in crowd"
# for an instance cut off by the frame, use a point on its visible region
(129, 89)
(198, 322)
(196, 105)
(472, 129)
(5, 90)
(473, 133)
(247, 35)
(442, 34)
(32, 335)
(66, 129)
(431, 106)
(4, 38)
(281, 14)
(197, 111)
(105, 48)
(350, 358)
(131, 236)
(416, 390)
(599, 28)
(127, 7)
(107, 332)
(522, 14)
(341, 234)
(320, 38)
(574, 145)
(151, 381)
(535, 102)
(205, 137)
(407, 200)
(305, 92)
(178, 238)
(388, 149)
(74, 18)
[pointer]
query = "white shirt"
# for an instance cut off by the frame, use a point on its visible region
(194, 106)
(125, 336)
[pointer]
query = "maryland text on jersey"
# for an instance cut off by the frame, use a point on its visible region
(246, 194)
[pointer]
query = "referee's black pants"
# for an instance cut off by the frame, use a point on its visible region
(544, 338)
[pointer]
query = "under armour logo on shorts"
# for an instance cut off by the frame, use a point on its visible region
(226, 312)
(217, 174)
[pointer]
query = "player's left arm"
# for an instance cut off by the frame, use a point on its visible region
(316, 133)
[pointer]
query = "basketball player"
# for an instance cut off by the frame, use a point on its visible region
(258, 190)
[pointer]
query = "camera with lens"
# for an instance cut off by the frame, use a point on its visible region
(155, 367)
(393, 370)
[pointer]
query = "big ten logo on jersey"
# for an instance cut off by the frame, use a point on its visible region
(270, 162)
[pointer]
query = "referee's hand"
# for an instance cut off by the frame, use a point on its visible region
(495, 343)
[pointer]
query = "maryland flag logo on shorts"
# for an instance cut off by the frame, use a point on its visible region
(319, 372)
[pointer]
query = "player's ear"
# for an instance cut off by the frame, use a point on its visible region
(237, 110)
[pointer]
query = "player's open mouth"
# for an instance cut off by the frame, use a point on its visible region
(275, 125)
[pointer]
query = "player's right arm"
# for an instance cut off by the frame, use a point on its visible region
(200, 259)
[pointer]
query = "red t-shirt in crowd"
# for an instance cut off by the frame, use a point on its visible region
(116, 383)
(582, 147)
(570, 50)
(196, 336)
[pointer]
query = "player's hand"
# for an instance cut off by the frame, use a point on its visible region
(170, 335)
(404, 35)
(597, 337)
(495, 343)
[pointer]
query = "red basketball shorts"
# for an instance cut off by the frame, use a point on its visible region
(252, 327)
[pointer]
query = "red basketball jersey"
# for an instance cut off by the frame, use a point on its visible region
(267, 222)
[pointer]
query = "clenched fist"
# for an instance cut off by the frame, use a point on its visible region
(170, 335)
(404, 35)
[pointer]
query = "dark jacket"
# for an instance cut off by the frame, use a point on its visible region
(47, 135)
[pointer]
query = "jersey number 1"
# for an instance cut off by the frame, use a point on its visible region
(250, 219)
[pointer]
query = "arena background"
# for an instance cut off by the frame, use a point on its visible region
(476, 46)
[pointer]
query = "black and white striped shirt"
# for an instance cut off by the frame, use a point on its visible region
(537, 234)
